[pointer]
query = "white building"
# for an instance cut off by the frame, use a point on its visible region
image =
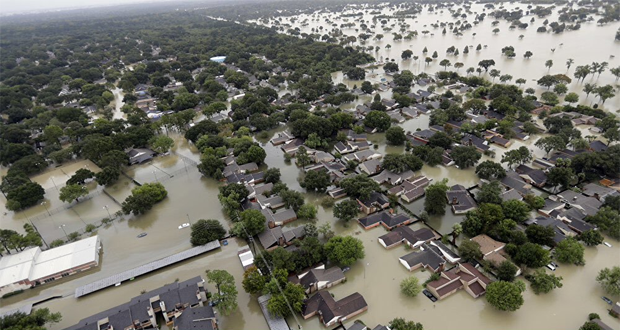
(34, 267)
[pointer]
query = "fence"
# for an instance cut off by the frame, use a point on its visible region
(50, 212)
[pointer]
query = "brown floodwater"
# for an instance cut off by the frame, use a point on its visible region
(377, 276)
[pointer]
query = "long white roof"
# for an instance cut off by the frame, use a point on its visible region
(34, 264)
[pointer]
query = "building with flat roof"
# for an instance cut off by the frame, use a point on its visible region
(34, 267)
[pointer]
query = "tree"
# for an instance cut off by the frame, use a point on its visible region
(344, 250)
(401, 163)
(80, 176)
(465, 156)
(591, 237)
(506, 271)
(378, 119)
(292, 199)
(367, 87)
(292, 296)
(549, 64)
(144, 197)
(608, 220)
(561, 176)
(211, 166)
(528, 54)
(553, 142)
(251, 223)
(395, 135)
(346, 210)
(486, 64)
(356, 73)
(505, 296)
(253, 281)
(406, 54)
(205, 231)
(272, 175)
(571, 98)
(226, 296)
(541, 282)
(52, 133)
(390, 67)
(435, 201)
(316, 180)
(490, 170)
(470, 250)
(605, 92)
(490, 193)
(37, 320)
(161, 143)
(590, 325)
(72, 192)
(23, 196)
(570, 251)
(108, 176)
(540, 234)
(516, 210)
(550, 98)
(445, 63)
(402, 324)
(609, 279)
(589, 88)
(531, 255)
(560, 89)
(359, 186)
(410, 286)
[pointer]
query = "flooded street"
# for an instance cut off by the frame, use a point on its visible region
(192, 196)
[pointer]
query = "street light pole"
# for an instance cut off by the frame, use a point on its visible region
(46, 209)
(155, 173)
(64, 231)
(107, 208)
(54, 182)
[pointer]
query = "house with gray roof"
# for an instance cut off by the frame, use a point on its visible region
(597, 191)
(392, 178)
(344, 148)
(140, 155)
(589, 205)
(370, 167)
(386, 219)
(562, 231)
(404, 234)
(280, 218)
(410, 189)
(532, 176)
(472, 140)
(319, 278)
(428, 257)
(459, 199)
(199, 318)
(275, 237)
(331, 311)
(374, 203)
(513, 181)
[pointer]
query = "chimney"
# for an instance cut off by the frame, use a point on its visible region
(378, 168)
(454, 201)
(596, 195)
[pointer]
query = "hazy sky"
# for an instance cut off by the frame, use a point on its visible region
(17, 6)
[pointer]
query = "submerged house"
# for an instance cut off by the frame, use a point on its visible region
(332, 311)
(140, 155)
(410, 189)
(404, 234)
(319, 278)
(374, 203)
(460, 200)
(465, 276)
(385, 218)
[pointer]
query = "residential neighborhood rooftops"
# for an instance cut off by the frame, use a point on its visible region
(384, 218)
(487, 244)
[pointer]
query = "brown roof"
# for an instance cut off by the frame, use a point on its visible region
(487, 244)
(495, 258)
(329, 308)
(471, 269)
(476, 288)
(449, 288)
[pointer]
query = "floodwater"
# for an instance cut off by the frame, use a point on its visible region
(377, 276)
(590, 43)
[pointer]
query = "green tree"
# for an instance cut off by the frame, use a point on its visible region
(609, 279)
(359, 186)
(395, 135)
(251, 223)
(591, 237)
(107, 176)
(211, 166)
(490, 193)
(608, 220)
(465, 157)
(506, 271)
(72, 192)
(531, 255)
(23, 196)
(435, 201)
(161, 143)
(517, 156)
(505, 296)
(489, 170)
(410, 286)
(540, 234)
(470, 250)
(292, 296)
(316, 180)
(541, 282)
(272, 175)
(344, 250)
(205, 231)
(307, 212)
(52, 133)
(144, 197)
(378, 119)
(80, 176)
(253, 281)
(402, 324)
(292, 199)
(516, 210)
(590, 325)
(570, 251)
(37, 320)
(346, 210)
(226, 295)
